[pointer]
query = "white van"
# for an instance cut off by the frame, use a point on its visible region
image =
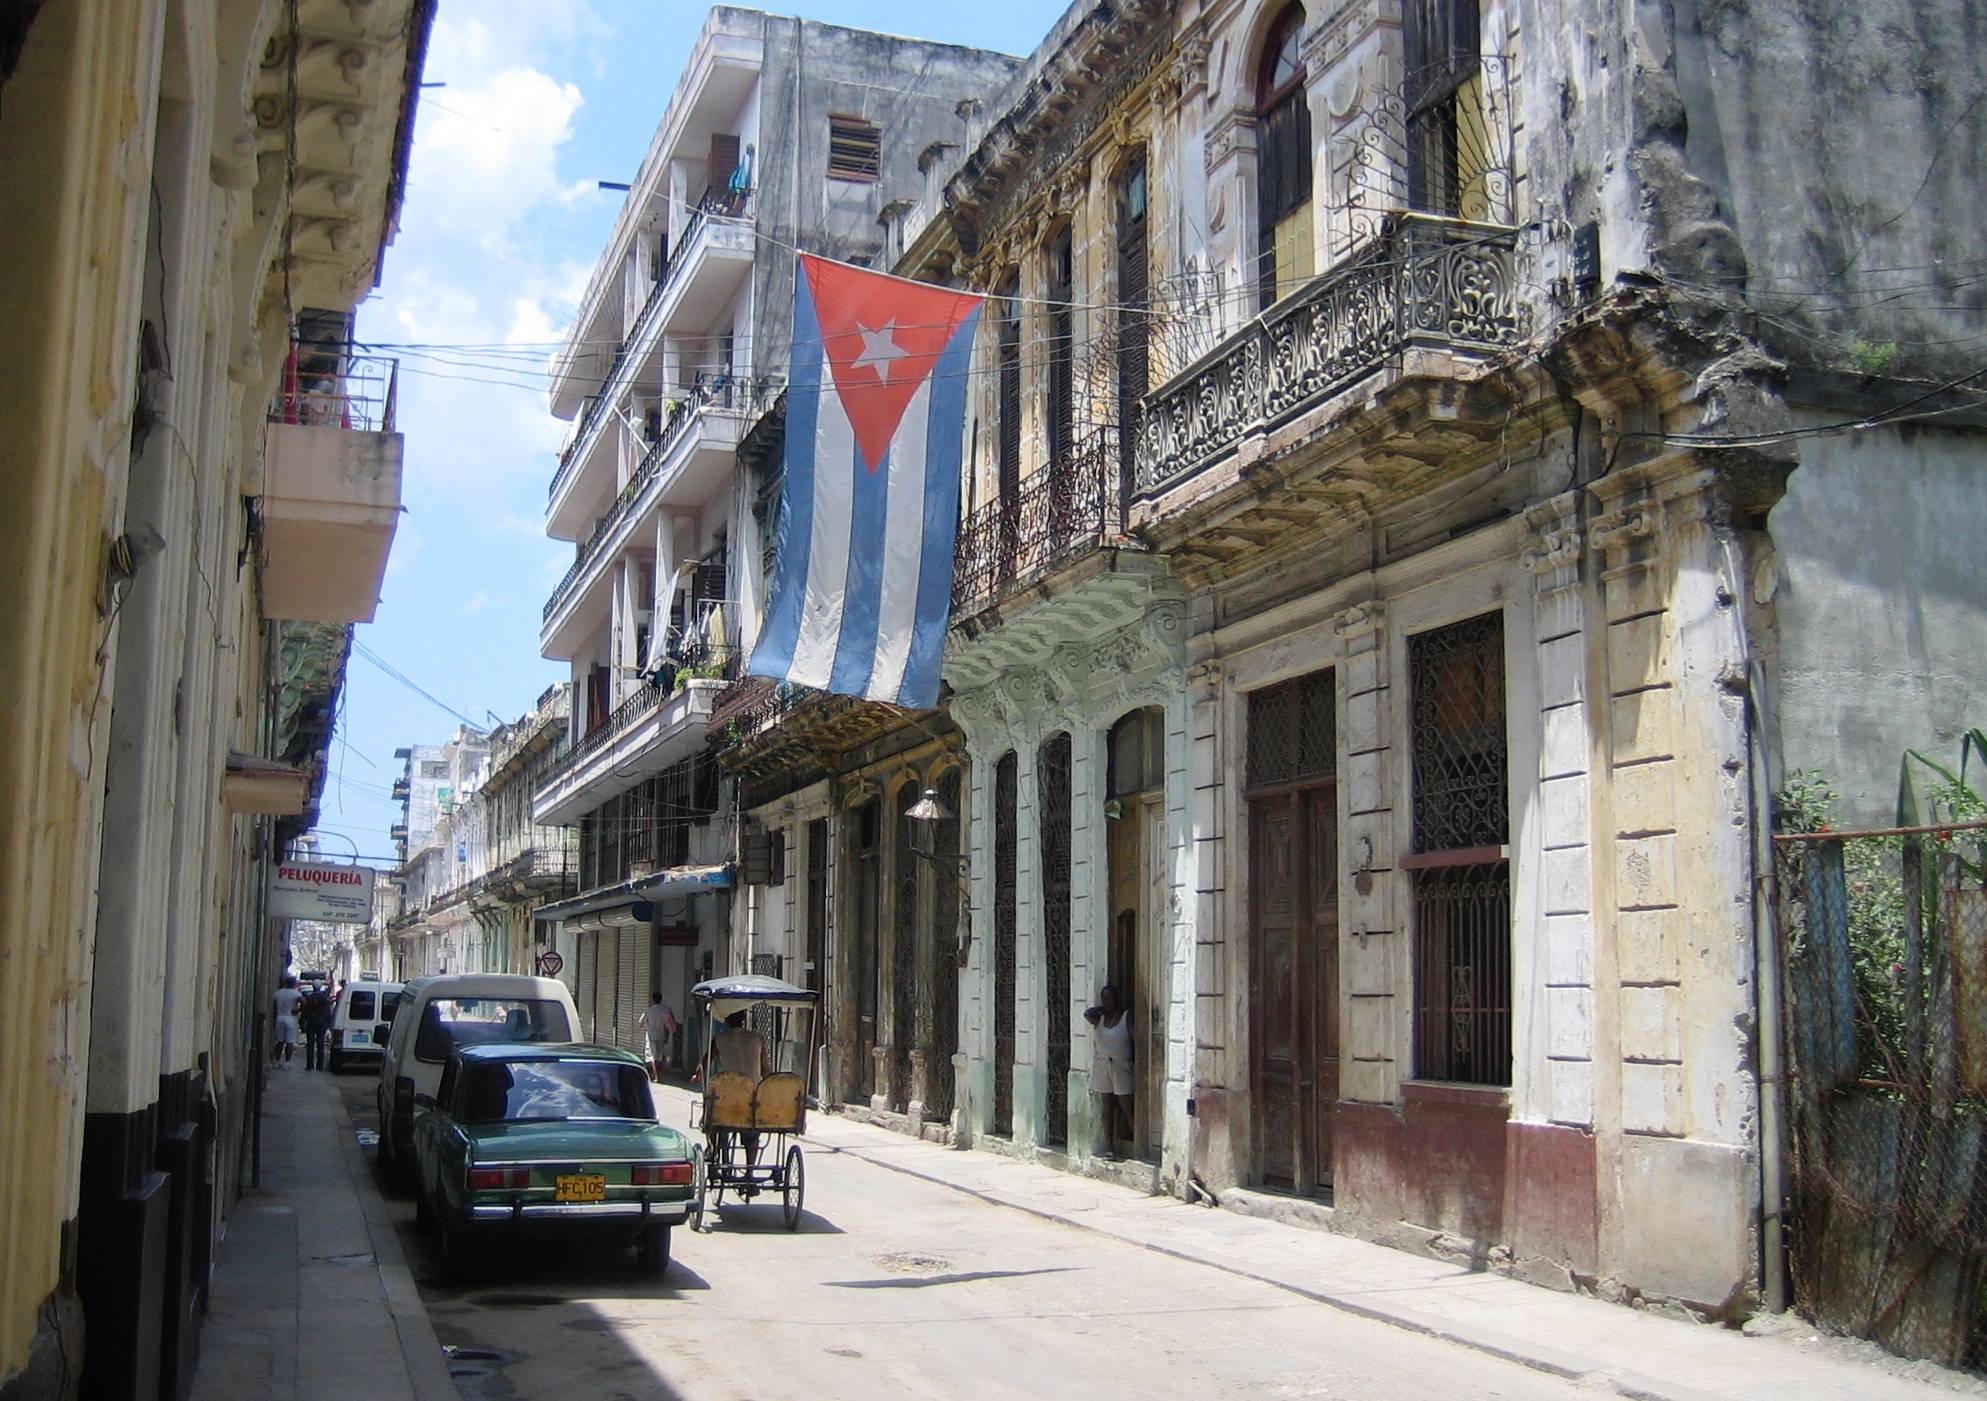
(458, 1009)
(361, 1021)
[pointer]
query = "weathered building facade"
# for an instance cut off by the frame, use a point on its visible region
(204, 486)
(1395, 720)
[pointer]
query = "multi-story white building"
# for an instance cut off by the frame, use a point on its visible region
(779, 135)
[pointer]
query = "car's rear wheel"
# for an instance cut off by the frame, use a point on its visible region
(457, 1249)
(794, 1188)
(652, 1249)
(424, 1211)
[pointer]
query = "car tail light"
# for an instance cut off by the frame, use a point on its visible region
(660, 1175)
(497, 1179)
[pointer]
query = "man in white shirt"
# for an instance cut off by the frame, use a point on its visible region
(658, 1031)
(284, 1046)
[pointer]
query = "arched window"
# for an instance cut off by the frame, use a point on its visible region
(1283, 159)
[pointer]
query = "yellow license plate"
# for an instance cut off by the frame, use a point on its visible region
(580, 1187)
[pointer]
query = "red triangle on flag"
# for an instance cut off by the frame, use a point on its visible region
(881, 337)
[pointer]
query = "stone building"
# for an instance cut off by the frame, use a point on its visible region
(1435, 465)
(204, 482)
(472, 885)
(778, 133)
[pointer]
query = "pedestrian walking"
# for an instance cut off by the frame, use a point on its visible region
(1111, 1067)
(284, 1048)
(316, 1018)
(659, 1032)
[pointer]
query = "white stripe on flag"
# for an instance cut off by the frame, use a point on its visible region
(828, 544)
(903, 549)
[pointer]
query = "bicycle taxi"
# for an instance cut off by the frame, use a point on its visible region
(750, 1117)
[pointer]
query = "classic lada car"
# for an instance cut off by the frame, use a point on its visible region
(535, 1139)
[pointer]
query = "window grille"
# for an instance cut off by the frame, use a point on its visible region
(1462, 878)
(1052, 776)
(904, 949)
(942, 994)
(817, 904)
(1293, 732)
(1005, 784)
(855, 148)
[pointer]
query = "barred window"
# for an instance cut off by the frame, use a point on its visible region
(1293, 732)
(855, 148)
(1462, 877)
(1137, 753)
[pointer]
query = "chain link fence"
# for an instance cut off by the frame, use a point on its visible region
(1883, 946)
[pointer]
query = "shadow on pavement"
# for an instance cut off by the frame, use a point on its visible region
(741, 1219)
(927, 1281)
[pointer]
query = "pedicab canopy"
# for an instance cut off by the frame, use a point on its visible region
(747, 990)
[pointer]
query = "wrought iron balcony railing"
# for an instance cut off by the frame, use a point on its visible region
(723, 391)
(1072, 504)
(326, 386)
(736, 207)
(1422, 280)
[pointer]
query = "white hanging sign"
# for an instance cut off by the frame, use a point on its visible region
(309, 890)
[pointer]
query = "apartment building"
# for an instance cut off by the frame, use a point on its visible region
(778, 135)
(204, 487)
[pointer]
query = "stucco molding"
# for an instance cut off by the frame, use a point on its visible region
(1358, 621)
(1616, 530)
(1232, 134)
(1554, 550)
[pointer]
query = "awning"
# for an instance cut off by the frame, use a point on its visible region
(613, 906)
(253, 784)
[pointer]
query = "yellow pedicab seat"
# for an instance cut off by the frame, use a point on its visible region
(771, 1105)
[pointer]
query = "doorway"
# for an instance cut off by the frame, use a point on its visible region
(864, 971)
(1137, 963)
(1292, 788)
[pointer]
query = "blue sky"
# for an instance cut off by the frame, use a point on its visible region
(502, 221)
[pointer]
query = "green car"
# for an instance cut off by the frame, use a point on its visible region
(548, 1140)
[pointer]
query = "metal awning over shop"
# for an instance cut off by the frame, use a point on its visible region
(632, 901)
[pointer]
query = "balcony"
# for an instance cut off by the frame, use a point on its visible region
(762, 728)
(645, 734)
(707, 264)
(1070, 507)
(331, 486)
(1423, 283)
(689, 459)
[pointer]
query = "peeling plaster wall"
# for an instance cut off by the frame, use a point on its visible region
(1879, 608)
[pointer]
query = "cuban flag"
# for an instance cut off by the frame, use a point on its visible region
(876, 408)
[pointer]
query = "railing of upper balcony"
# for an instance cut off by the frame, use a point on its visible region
(1423, 280)
(1073, 503)
(725, 206)
(721, 391)
(328, 386)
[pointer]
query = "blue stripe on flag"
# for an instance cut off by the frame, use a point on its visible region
(773, 656)
(855, 654)
(942, 465)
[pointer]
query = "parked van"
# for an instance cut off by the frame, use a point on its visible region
(438, 1014)
(361, 1022)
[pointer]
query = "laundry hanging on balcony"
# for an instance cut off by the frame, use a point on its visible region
(876, 410)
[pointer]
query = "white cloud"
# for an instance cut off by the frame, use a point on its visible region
(476, 602)
(488, 153)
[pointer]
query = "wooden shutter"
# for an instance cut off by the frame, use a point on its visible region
(1062, 379)
(1010, 399)
(723, 160)
(1134, 359)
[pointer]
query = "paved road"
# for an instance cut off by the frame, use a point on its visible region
(896, 1287)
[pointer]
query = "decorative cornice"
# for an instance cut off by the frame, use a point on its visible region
(1555, 549)
(1617, 529)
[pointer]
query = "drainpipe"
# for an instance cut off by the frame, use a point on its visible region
(1766, 953)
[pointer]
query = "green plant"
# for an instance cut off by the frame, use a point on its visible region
(1872, 357)
(1951, 799)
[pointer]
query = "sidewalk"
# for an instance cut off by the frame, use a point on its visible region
(310, 1288)
(1611, 1346)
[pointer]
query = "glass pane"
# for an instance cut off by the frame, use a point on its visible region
(361, 1007)
(518, 1091)
(475, 1021)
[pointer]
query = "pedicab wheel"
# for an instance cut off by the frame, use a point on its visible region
(652, 1250)
(794, 1187)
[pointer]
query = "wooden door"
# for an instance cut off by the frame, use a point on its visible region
(1154, 981)
(1294, 984)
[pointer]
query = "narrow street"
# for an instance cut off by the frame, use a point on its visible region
(895, 1286)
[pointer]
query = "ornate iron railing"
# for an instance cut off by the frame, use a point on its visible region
(1074, 503)
(1422, 280)
(719, 390)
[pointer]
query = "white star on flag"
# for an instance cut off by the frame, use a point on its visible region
(879, 349)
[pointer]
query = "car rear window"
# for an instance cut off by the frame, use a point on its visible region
(449, 1022)
(540, 1090)
(360, 1008)
(389, 1003)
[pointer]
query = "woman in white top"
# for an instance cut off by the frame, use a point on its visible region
(1110, 1064)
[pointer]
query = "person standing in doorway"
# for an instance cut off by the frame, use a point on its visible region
(659, 1032)
(284, 1047)
(1111, 1067)
(316, 1017)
